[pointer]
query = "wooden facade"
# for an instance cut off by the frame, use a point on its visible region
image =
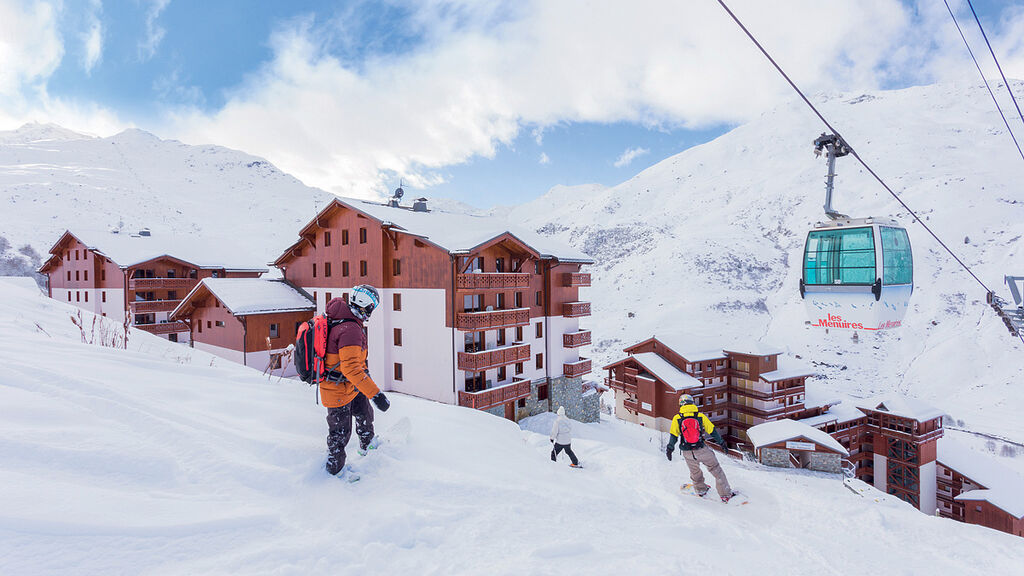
(497, 300)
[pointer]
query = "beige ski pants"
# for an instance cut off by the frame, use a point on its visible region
(705, 456)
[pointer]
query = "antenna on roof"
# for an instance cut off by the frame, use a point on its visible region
(397, 197)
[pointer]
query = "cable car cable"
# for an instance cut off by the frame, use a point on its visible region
(993, 52)
(983, 79)
(853, 151)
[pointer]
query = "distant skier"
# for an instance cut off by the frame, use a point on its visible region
(561, 437)
(348, 385)
(689, 427)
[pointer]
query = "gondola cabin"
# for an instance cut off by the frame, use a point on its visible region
(857, 274)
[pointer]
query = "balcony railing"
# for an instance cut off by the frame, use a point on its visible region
(161, 283)
(625, 386)
(633, 405)
(576, 279)
(487, 359)
(146, 306)
(576, 339)
(575, 309)
(491, 281)
(164, 327)
(578, 368)
(495, 396)
(474, 321)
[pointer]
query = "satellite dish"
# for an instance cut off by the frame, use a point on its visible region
(398, 191)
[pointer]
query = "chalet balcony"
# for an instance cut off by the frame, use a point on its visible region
(576, 369)
(163, 327)
(576, 280)
(495, 396)
(624, 386)
(576, 339)
(147, 306)
(487, 359)
(633, 405)
(575, 309)
(492, 281)
(162, 283)
(491, 319)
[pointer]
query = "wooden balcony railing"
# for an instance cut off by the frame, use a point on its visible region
(576, 339)
(625, 386)
(143, 307)
(578, 368)
(161, 283)
(577, 279)
(575, 309)
(487, 359)
(473, 321)
(495, 396)
(633, 405)
(164, 327)
(491, 281)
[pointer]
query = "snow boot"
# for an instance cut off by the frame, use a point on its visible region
(725, 499)
(348, 475)
(371, 445)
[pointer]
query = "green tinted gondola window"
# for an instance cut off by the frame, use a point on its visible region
(840, 256)
(897, 259)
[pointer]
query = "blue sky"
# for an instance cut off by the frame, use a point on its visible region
(488, 104)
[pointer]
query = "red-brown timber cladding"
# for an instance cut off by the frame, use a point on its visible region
(479, 361)
(494, 396)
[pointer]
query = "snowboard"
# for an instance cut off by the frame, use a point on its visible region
(739, 499)
(580, 465)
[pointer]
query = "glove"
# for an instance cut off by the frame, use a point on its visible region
(552, 440)
(668, 452)
(381, 402)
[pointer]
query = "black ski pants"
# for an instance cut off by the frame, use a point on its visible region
(339, 430)
(568, 450)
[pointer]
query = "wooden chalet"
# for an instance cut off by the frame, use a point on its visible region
(251, 321)
(793, 444)
(139, 277)
(976, 489)
(473, 311)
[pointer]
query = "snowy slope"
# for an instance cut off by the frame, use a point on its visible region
(52, 179)
(708, 244)
(144, 462)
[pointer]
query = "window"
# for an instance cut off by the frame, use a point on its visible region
(199, 325)
(519, 368)
(397, 305)
(77, 276)
(518, 299)
(344, 237)
(501, 336)
(172, 337)
(193, 274)
(362, 235)
(314, 297)
(69, 275)
(519, 333)
(103, 296)
(840, 256)
(171, 274)
(327, 269)
(327, 238)
(209, 324)
(540, 298)
(542, 392)
(172, 294)
(69, 295)
(502, 374)
(500, 302)
(897, 259)
(473, 303)
(76, 254)
(398, 371)
(398, 336)
(499, 264)
(274, 331)
(475, 342)
(536, 267)
(103, 275)
(344, 296)
(220, 323)
(216, 273)
(540, 330)
(314, 269)
(362, 267)
(327, 298)
(480, 265)
(539, 360)
(344, 268)
(216, 303)
(67, 256)
(85, 275)
(86, 296)
(396, 266)
(521, 403)
(78, 296)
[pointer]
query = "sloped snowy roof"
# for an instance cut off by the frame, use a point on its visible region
(754, 349)
(783, 430)
(689, 348)
(246, 296)
(666, 372)
(1009, 500)
(206, 252)
(463, 232)
(979, 467)
(837, 412)
(902, 406)
(787, 368)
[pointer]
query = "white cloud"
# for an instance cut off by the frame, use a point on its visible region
(544, 159)
(92, 38)
(30, 48)
(629, 155)
(154, 33)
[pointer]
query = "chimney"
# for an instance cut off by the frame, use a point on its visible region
(420, 205)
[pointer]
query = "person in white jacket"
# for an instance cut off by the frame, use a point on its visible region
(561, 437)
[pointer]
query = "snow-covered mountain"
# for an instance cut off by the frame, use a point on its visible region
(708, 243)
(161, 459)
(52, 179)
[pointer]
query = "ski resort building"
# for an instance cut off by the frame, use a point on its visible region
(251, 321)
(472, 312)
(791, 443)
(139, 277)
(978, 490)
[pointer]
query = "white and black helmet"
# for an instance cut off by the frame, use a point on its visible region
(363, 301)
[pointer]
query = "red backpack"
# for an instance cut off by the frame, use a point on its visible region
(311, 349)
(690, 431)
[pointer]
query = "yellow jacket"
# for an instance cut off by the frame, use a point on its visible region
(688, 410)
